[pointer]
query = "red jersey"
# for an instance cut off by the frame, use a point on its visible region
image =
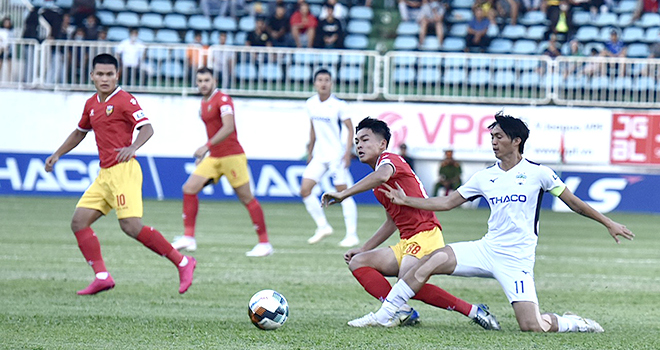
(212, 111)
(113, 122)
(410, 221)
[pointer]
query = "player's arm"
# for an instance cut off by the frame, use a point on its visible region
(144, 134)
(228, 127)
(312, 140)
(70, 143)
(381, 235)
(369, 182)
(577, 205)
(348, 156)
(398, 196)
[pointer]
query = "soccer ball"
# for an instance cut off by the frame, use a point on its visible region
(268, 309)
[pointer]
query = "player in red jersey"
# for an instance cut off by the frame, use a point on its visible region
(226, 158)
(113, 114)
(420, 231)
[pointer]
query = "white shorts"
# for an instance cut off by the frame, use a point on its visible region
(516, 276)
(316, 168)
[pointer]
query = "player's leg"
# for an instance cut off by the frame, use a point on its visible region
(340, 176)
(531, 320)
(371, 267)
(263, 248)
(90, 248)
(311, 176)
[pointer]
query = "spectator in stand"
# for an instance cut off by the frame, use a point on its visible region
(259, 36)
(644, 6)
(552, 50)
(81, 9)
(103, 34)
(278, 27)
(409, 9)
(503, 9)
(92, 27)
(432, 14)
(223, 59)
(221, 7)
(78, 57)
(258, 9)
(340, 11)
(476, 37)
(449, 175)
(561, 19)
(196, 53)
(330, 34)
(6, 34)
(273, 5)
(131, 52)
(303, 26)
(614, 47)
(403, 152)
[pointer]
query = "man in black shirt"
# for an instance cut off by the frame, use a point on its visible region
(259, 37)
(278, 27)
(330, 34)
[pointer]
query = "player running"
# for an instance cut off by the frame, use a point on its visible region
(226, 159)
(420, 231)
(513, 188)
(113, 114)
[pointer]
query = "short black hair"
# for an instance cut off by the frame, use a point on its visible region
(105, 58)
(322, 71)
(512, 127)
(378, 127)
(205, 70)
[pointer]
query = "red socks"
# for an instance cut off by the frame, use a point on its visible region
(91, 249)
(257, 216)
(155, 241)
(373, 282)
(190, 209)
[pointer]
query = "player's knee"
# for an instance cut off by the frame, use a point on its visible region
(530, 326)
(357, 262)
(130, 228)
(77, 225)
(305, 192)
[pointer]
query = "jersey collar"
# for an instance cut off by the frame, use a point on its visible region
(110, 96)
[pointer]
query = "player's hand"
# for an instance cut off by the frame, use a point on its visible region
(620, 230)
(50, 162)
(200, 152)
(351, 253)
(330, 198)
(124, 154)
(397, 196)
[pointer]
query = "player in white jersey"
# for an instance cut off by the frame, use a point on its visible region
(327, 153)
(513, 188)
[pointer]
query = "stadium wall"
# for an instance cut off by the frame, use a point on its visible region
(609, 158)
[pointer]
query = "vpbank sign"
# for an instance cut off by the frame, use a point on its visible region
(24, 174)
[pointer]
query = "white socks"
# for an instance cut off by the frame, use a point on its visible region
(102, 275)
(184, 261)
(398, 296)
(349, 209)
(313, 205)
(565, 324)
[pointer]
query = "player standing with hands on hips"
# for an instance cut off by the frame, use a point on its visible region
(226, 158)
(513, 188)
(327, 153)
(113, 114)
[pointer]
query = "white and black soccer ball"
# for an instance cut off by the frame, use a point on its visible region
(268, 309)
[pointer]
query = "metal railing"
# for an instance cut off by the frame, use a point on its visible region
(397, 76)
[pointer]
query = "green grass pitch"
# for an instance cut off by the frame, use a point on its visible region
(579, 268)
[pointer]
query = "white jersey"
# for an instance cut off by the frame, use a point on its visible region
(514, 198)
(327, 118)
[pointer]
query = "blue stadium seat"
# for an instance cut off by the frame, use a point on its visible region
(356, 41)
(405, 43)
(172, 69)
(581, 18)
(575, 82)
(175, 21)
(158, 54)
(407, 28)
(107, 18)
(168, 36)
(622, 83)
(299, 72)
(359, 26)
(606, 19)
(429, 61)
(65, 4)
(586, 34)
(529, 79)
(186, 7)
(632, 34)
(246, 71)
(649, 20)
(593, 45)
(315, 9)
(600, 83)
(114, 5)
(454, 76)
(247, 24)
(304, 58)
(146, 35)
(404, 61)
(459, 16)
(127, 19)
(214, 38)
(199, 22)
(403, 75)
(513, 32)
(504, 63)
(356, 60)
(328, 59)
(524, 47)
(151, 20)
(239, 38)
(479, 77)
(462, 4)
(430, 43)
(428, 75)
(625, 6)
(452, 44)
(536, 32)
(504, 78)
(605, 34)
(271, 72)
(493, 31)
(500, 45)
(479, 62)
(139, 6)
(190, 37)
(161, 6)
(533, 18)
(652, 35)
(645, 84)
(638, 51)
(454, 62)
(527, 65)
(361, 12)
(625, 20)
(117, 33)
(459, 29)
(350, 74)
(225, 24)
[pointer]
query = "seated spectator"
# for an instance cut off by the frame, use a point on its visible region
(6, 34)
(103, 34)
(340, 11)
(561, 20)
(303, 26)
(131, 52)
(221, 7)
(223, 58)
(330, 33)
(273, 5)
(477, 29)
(409, 9)
(257, 8)
(449, 175)
(259, 36)
(432, 14)
(614, 47)
(552, 50)
(645, 6)
(499, 9)
(278, 27)
(81, 9)
(91, 27)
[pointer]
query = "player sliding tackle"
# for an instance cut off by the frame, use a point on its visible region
(512, 187)
(419, 229)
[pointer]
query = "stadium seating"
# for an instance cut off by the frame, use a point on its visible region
(151, 20)
(479, 77)
(246, 24)
(350, 74)
(147, 35)
(625, 6)
(107, 18)
(649, 20)
(138, 6)
(605, 19)
(186, 7)
(226, 24)
(428, 75)
(172, 69)
(408, 28)
(452, 44)
(532, 18)
(114, 5)
(361, 12)
(454, 76)
(524, 47)
(638, 50)
(536, 32)
(652, 35)
(459, 30)
(401, 61)
(403, 75)
(167, 36)
(459, 16)
(117, 33)
(161, 6)
(430, 43)
(127, 19)
(632, 34)
(513, 32)
(299, 72)
(359, 26)
(271, 72)
(586, 34)
(405, 43)
(190, 37)
(246, 71)
(356, 41)
(429, 62)
(199, 22)
(175, 21)
(504, 78)
(500, 45)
